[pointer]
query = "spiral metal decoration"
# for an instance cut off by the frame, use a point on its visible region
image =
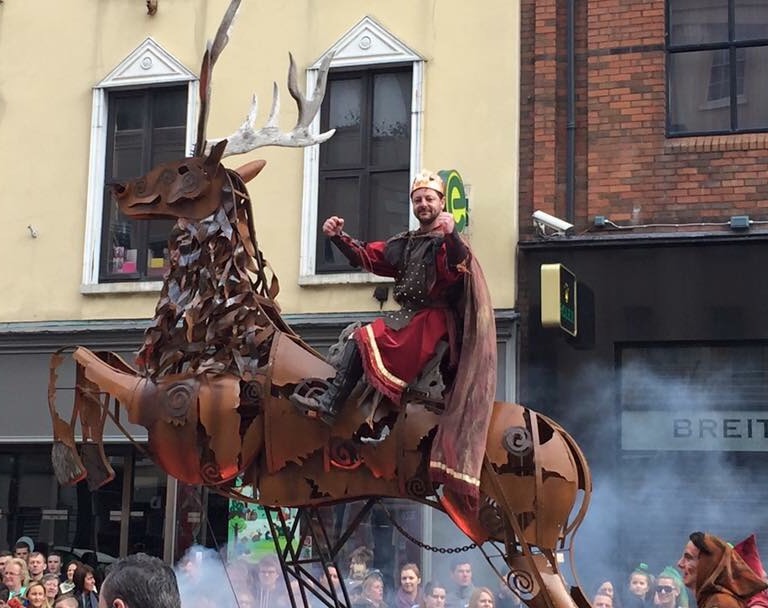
(251, 392)
(517, 441)
(418, 487)
(179, 399)
(523, 583)
(343, 455)
(210, 473)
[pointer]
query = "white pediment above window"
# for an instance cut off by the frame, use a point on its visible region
(367, 43)
(148, 64)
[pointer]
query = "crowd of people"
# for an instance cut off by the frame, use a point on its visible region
(32, 579)
(710, 574)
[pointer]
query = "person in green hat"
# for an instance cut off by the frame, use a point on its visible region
(669, 591)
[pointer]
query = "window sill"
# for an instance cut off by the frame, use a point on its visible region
(718, 143)
(343, 278)
(124, 287)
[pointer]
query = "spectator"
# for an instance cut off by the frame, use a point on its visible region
(66, 600)
(140, 581)
(481, 597)
(461, 575)
(371, 592)
(16, 577)
(36, 595)
(716, 574)
(269, 590)
(5, 555)
(36, 565)
(640, 584)
(85, 587)
(609, 589)
(21, 550)
(53, 564)
(51, 584)
(601, 600)
(409, 592)
(360, 561)
(434, 595)
(71, 567)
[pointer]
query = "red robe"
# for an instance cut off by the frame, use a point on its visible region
(394, 357)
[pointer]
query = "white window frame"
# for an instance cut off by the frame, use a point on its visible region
(148, 65)
(367, 44)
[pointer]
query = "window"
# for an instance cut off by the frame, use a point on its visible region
(145, 128)
(140, 117)
(716, 82)
(373, 100)
(365, 166)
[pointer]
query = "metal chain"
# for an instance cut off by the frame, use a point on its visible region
(421, 544)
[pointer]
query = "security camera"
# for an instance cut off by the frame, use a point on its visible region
(548, 225)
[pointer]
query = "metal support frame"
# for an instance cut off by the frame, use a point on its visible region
(311, 571)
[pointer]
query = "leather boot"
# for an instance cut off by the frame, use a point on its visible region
(327, 405)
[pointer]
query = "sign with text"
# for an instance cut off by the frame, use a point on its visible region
(558, 298)
(456, 202)
(721, 431)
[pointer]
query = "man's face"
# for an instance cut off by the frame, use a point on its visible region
(602, 601)
(21, 553)
(427, 205)
(36, 565)
(689, 565)
(12, 577)
(3, 560)
(462, 575)
(54, 564)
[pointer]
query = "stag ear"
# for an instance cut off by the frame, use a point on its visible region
(250, 170)
(214, 158)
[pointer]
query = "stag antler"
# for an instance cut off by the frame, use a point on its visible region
(246, 138)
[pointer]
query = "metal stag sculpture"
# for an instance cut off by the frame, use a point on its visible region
(218, 365)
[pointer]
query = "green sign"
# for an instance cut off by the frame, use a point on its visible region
(456, 202)
(558, 298)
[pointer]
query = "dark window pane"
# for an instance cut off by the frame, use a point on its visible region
(169, 108)
(752, 100)
(690, 108)
(137, 249)
(130, 112)
(692, 23)
(390, 204)
(127, 159)
(391, 128)
(338, 196)
(168, 144)
(751, 19)
(345, 106)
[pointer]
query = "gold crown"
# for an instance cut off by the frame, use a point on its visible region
(427, 179)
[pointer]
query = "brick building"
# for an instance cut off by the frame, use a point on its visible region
(644, 124)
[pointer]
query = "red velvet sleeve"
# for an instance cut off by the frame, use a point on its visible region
(369, 256)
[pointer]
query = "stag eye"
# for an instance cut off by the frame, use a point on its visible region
(183, 169)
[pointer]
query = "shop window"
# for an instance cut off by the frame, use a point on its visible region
(715, 57)
(141, 116)
(373, 100)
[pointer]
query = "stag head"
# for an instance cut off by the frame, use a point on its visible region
(191, 188)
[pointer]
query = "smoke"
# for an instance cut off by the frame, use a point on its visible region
(203, 580)
(675, 445)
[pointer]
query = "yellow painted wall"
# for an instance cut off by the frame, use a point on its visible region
(52, 56)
